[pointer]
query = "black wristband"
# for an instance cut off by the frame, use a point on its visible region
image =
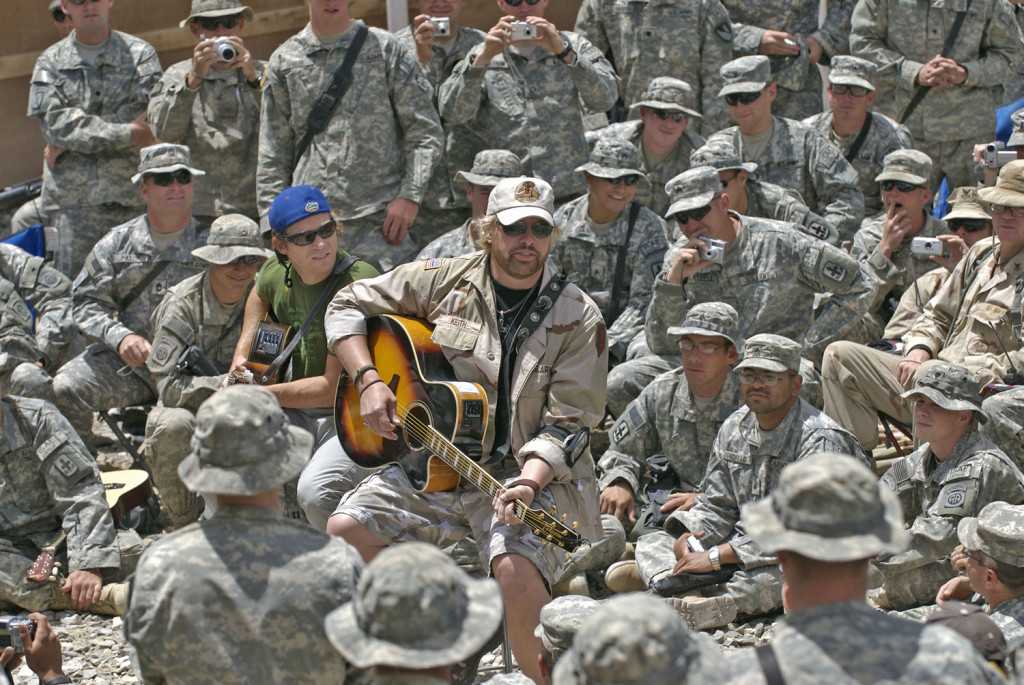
(921, 347)
(564, 53)
(373, 382)
(532, 484)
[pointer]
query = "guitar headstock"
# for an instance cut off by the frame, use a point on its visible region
(550, 529)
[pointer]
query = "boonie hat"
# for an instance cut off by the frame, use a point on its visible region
(295, 204)
(164, 158)
(771, 353)
(911, 166)
(997, 530)
(232, 236)
(846, 70)
(748, 74)
(1017, 137)
(951, 387)
(490, 167)
(665, 92)
(514, 199)
(1009, 187)
(612, 157)
(216, 8)
(711, 318)
(964, 203)
(693, 188)
(722, 156)
(560, 620)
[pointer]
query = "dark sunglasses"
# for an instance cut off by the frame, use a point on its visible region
(308, 237)
(733, 99)
(855, 91)
(727, 181)
(211, 23)
(182, 176)
(517, 3)
(59, 16)
(683, 218)
(630, 180)
(902, 186)
(247, 259)
(80, 2)
(664, 114)
(968, 226)
(541, 229)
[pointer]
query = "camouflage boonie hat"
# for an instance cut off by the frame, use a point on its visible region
(216, 8)
(695, 187)
(638, 640)
(164, 158)
(414, 608)
(710, 319)
(911, 166)
(951, 387)
(243, 444)
(490, 167)
(771, 352)
(971, 621)
(231, 237)
(722, 156)
(846, 70)
(748, 74)
(964, 203)
(1017, 137)
(668, 93)
(613, 157)
(1009, 187)
(997, 530)
(828, 507)
(560, 620)
(514, 199)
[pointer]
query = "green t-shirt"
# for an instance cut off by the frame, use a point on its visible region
(291, 306)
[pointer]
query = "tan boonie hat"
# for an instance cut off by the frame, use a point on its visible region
(1009, 187)
(911, 166)
(232, 236)
(613, 157)
(1017, 137)
(560, 620)
(490, 167)
(216, 8)
(668, 93)
(722, 156)
(693, 188)
(997, 530)
(711, 319)
(414, 608)
(748, 74)
(771, 352)
(964, 203)
(846, 70)
(54, 4)
(163, 158)
(951, 387)
(514, 199)
(828, 507)
(243, 444)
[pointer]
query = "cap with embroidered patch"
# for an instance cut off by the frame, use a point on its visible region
(295, 204)
(514, 199)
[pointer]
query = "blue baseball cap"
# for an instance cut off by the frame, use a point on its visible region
(294, 204)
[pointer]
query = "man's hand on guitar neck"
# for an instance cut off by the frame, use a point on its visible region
(535, 470)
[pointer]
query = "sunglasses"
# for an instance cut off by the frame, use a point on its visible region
(902, 186)
(541, 229)
(164, 180)
(517, 3)
(630, 180)
(855, 91)
(80, 2)
(663, 114)
(768, 380)
(727, 181)
(687, 345)
(59, 16)
(968, 226)
(683, 218)
(212, 23)
(733, 99)
(247, 259)
(308, 237)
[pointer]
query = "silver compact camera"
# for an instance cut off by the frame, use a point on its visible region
(996, 156)
(928, 247)
(522, 30)
(442, 26)
(9, 635)
(694, 544)
(714, 250)
(225, 50)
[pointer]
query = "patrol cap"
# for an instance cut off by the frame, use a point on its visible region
(490, 167)
(997, 530)
(964, 203)
(749, 74)
(722, 156)
(771, 353)
(216, 8)
(911, 166)
(828, 507)
(710, 319)
(164, 158)
(613, 157)
(971, 621)
(951, 387)
(514, 199)
(294, 204)
(665, 92)
(1017, 136)
(1009, 187)
(232, 236)
(560, 620)
(846, 70)
(695, 187)
(414, 608)
(638, 639)
(243, 444)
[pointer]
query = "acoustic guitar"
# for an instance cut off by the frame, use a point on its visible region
(443, 421)
(268, 342)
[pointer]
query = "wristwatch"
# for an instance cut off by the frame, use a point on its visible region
(713, 555)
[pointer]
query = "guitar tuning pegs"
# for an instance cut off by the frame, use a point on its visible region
(564, 517)
(575, 525)
(549, 538)
(537, 532)
(552, 510)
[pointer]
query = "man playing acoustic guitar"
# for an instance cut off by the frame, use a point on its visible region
(536, 346)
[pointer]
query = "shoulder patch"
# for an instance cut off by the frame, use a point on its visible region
(834, 271)
(162, 352)
(66, 465)
(179, 328)
(818, 230)
(636, 417)
(434, 263)
(49, 445)
(957, 499)
(620, 430)
(724, 31)
(959, 473)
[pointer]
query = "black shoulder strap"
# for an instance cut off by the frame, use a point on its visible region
(325, 105)
(770, 665)
(858, 143)
(158, 269)
(339, 271)
(620, 264)
(921, 91)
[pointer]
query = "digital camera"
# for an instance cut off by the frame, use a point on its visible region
(225, 50)
(927, 247)
(442, 26)
(713, 251)
(9, 635)
(522, 30)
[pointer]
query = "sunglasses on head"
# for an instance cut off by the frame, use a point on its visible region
(541, 229)
(855, 91)
(80, 2)
(212, 23)
(901, 186)
(683, 218)
(664, 114)
(182, 176)
(58, 15)
(308, 237)
(517, 3)
(968, 226)
(733, 99)
(247, 259)
(630, 180)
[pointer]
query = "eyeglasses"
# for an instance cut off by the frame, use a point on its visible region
(733, 99)
(308, 237)
(59, 16)
(855, 91)
(630, 180)
(968, 225)
(80, 2)
(541, 229)
(517, 3)
(683, 218)
(247, 259)
(727, 181)
(976, 556)
(182, 176)
(768, 380)
(663, 114)
(687, 345)
(902, 186)
(212, 23)
(1003, 209)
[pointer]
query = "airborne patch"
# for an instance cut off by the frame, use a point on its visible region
(434, 263)
(162, 353)
(957, 498)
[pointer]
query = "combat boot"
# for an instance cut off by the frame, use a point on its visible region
(113, 600)
(704, 613)
(624, 576)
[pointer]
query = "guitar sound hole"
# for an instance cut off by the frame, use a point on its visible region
(416, 426)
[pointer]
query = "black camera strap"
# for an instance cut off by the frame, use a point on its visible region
(620, 264)
(858, 143)
(921, 91)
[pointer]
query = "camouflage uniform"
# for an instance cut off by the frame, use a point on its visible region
(454, 243)
(688, 39)
(996, 531)
(1006, 422)
(947, 122)
(87, 110)
(560, 620)
(547, 130)
(387, 125)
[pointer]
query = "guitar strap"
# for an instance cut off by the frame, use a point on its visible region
(858, 143)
